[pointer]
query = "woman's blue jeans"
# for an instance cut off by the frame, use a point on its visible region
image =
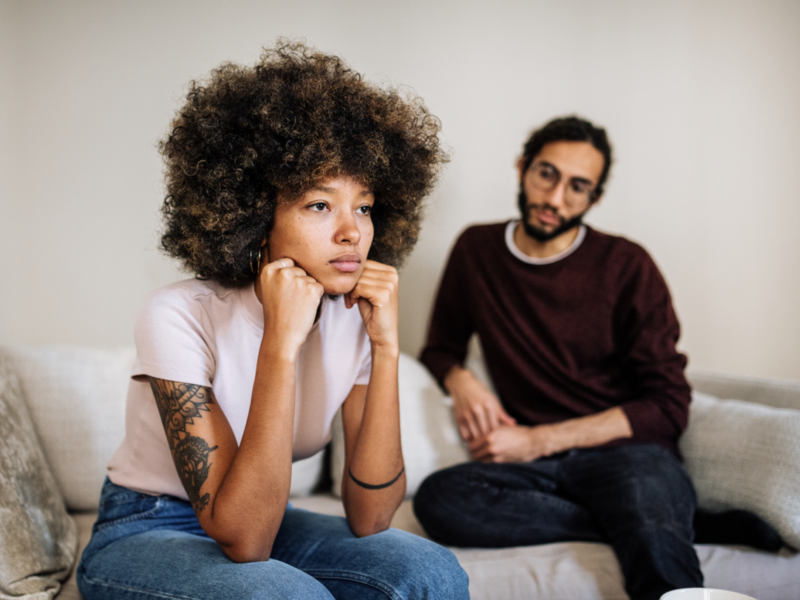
(147, 547)
(637, 498)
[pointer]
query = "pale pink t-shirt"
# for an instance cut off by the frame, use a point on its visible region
(202, 333)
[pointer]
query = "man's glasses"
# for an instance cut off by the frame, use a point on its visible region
(546, 177)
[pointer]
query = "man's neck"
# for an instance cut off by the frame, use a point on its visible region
(536, 249)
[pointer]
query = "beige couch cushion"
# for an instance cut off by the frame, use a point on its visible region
(590, 571)
(37, 536)
(77, 400)
(745, 455)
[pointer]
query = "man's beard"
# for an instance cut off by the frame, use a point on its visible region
(537, 233)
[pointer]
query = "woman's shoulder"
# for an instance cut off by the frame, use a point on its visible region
(188, 296)
(189, 305)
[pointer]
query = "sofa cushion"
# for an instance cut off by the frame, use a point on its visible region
(747, 456)
(38, 536)
(590, 571)
(429, 436)
(76, 397)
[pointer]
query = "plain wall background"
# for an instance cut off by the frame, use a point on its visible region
(700, 99)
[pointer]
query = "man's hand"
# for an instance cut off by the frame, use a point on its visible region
(477, 410)
(514, 443)
(520, 443)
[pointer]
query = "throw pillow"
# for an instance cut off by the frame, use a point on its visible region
(76, 397)
(427, 429)
(39, 538)
(746, 456)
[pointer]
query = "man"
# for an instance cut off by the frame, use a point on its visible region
(578, 334)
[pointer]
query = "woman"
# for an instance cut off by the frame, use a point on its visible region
(290, 185)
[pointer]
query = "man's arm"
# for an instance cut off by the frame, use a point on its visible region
(648, 330)
(477, 410)
(522, 443)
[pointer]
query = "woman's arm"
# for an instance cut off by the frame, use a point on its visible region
(371, 414)
(239, 494)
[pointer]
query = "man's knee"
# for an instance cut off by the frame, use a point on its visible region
(648, 490)
(438, 499)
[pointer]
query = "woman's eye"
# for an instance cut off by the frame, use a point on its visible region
(318, 206)
(365, 210)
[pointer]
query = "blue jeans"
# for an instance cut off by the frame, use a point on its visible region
(147, 547)
(637, 498)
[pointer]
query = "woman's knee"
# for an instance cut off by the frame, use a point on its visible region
(166, 563)
(424, 569)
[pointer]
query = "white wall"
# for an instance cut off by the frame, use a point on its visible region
(700, 99)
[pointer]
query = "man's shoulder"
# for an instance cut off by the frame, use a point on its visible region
(606, 244)
(624, 261)
(482, 233)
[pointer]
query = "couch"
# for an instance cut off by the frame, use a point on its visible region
(740, 449)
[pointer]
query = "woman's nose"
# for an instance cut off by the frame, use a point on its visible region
(347, 231)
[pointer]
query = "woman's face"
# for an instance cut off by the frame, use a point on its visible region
(327, 232)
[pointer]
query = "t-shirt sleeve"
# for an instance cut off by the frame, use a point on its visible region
(451, 325)
(650, 331)
(172, 339)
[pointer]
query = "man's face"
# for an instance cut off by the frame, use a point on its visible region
(556, 189)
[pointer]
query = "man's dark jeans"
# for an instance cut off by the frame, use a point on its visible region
(637, 498)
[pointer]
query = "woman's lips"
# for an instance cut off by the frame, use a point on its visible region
(346, 264)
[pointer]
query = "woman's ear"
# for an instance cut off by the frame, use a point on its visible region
(265, 249)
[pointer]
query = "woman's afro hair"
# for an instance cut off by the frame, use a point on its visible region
(294, 119)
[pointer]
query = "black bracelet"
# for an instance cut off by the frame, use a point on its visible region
(380, 486)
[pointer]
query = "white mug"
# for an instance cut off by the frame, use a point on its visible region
(704, 594)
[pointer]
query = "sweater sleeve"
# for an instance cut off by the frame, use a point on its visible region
(650, 332)
(451, 325)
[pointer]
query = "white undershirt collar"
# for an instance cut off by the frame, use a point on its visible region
(512, 247)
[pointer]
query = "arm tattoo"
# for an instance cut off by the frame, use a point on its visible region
(179, 404)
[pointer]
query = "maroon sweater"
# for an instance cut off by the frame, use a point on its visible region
(591, 331)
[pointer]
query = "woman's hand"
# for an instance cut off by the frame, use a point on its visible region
(290, 298)
(376, 294)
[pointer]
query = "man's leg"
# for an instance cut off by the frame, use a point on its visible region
(391, 565)
(501, 505)
(644, 501)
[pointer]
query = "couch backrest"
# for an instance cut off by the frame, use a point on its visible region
(769, 392)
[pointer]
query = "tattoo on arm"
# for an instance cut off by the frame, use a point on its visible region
(179, 404)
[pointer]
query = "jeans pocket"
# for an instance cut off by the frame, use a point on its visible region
(119, 505)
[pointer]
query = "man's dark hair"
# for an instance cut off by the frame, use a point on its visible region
(569, 129)
(295, 118)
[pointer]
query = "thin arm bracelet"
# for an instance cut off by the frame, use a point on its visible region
(380, 486)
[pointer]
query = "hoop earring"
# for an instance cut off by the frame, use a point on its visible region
(258, 262)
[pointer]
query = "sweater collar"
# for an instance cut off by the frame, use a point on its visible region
(512, 247)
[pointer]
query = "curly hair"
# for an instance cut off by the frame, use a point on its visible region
(294, 119)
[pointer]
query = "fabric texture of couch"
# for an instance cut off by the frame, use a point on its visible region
(741, 453)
